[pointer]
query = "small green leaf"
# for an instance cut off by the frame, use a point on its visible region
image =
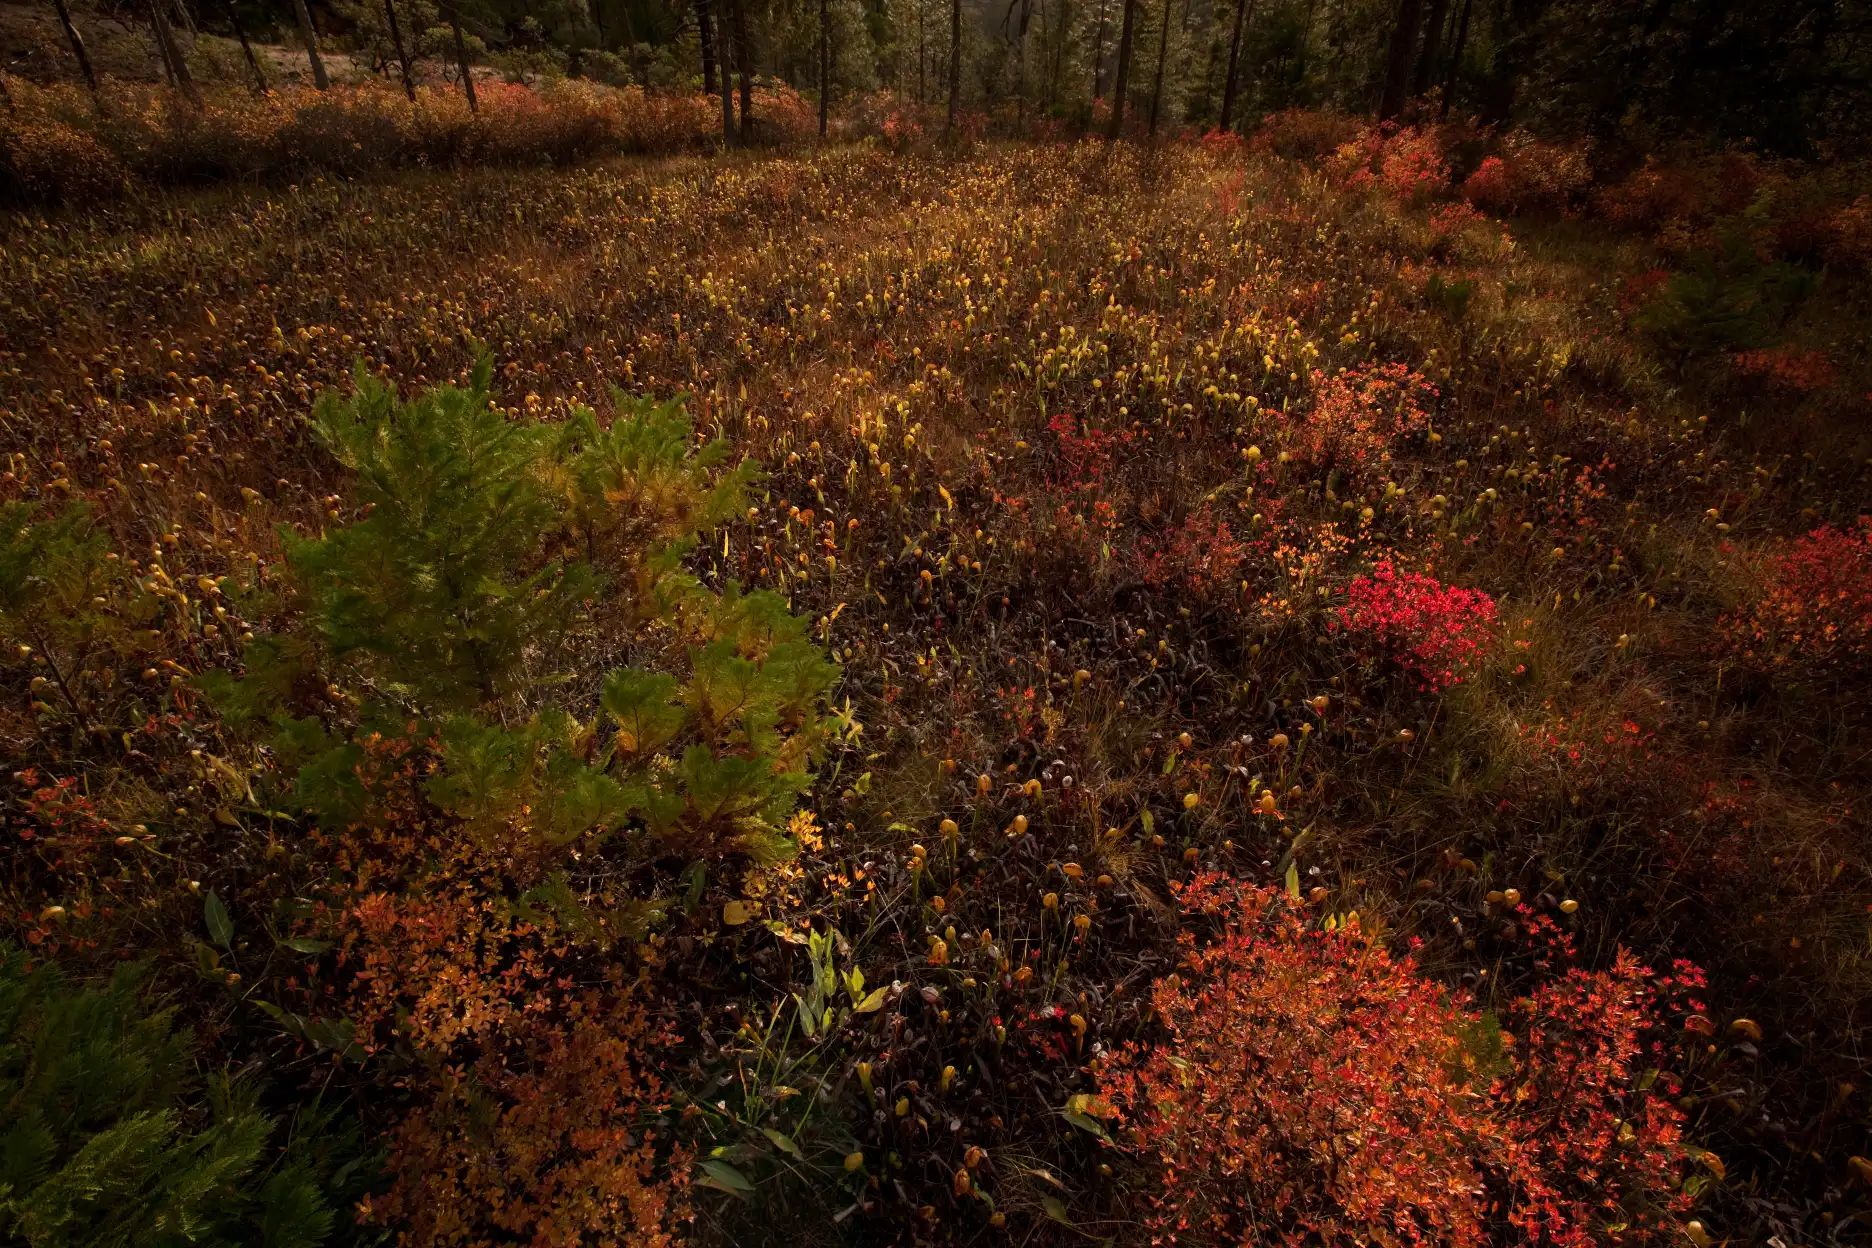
(220, 927)
(1150, 824)
(724, 1177)
(1293, 881)
(872, 1003)
(783, 1142)
(1055, 1209)
(303, 944)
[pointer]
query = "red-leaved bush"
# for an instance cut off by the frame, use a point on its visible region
(1434, 631)
(1407, 164)
(1313, 1089)
(1359, 415)
(1813, 605)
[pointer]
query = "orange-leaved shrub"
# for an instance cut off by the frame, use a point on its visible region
(1313, 1088)
(1529, 174)
(1810, 610)
(1360, 416)
(535, 1103)
(1407, 164)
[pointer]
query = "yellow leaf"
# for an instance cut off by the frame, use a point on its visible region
(734, 914)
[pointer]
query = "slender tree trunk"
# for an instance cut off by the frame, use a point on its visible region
(1455, 60)
(188, 19)
(630, 43)
(461, 57)
(1432, 44)
(240, 33)
(1123, 77)
(1231, 85)
(955, 65)
(172, 55)
(705, 34)
(1098, 55)
(1059, 51)
(1163, 44)
(1398, 64)
(724, 62)
(402, 53)
(310, 36)
(78, 47)
(744, 67)
(825, 66)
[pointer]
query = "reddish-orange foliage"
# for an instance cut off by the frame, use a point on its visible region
(537, 1111)
(1201, 553)
(1360, 415)
(1315, 1089)
(554, 1143)
(1407, 164)
(1801, 372)
(1814, 604)
(1593, 1144)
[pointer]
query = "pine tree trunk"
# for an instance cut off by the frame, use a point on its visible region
(78, 47)
(705, 35)
(240, 33)
(1098, 54)
(724, 60)
(172, 55)
(922, 52)
(188, 19)
(955, 65)
(1163, 44)
(310, 37)
(461, 58)
(1123, 76)
(825, 66)
(1432, 44)
(1398, 64)
(1232, 82)
(1455, 60)
(402, 53)
(744, 67)
(637, 53)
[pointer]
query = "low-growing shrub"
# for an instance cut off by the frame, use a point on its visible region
(1360, 418)
(1407, 164)
(1435, 632)
(1811, 611)
(1313, 1088)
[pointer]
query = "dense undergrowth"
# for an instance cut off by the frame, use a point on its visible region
(1347, 723)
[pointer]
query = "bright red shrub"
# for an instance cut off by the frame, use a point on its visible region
(1434, 631)
(1306, 1091)
(1314, 1089)
(1488, 187)
(1813, 604)
(1406, 164)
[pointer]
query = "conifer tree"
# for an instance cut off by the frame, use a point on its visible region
(107, 1140)
(493, 557)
